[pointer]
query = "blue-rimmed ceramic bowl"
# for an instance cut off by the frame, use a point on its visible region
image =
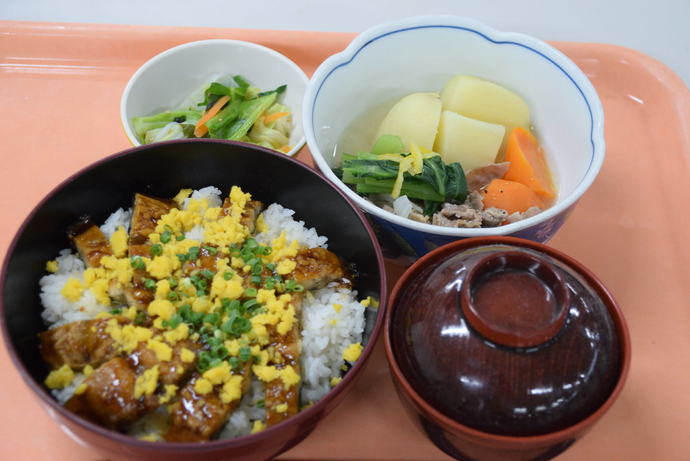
(351, 92)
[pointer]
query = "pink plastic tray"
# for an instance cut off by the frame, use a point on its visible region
(60, 86)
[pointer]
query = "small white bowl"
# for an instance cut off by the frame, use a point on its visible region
(350, 93)
(165, 80)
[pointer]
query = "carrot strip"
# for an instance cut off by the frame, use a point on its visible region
(201, 129)
(275, 116)
(284, 148)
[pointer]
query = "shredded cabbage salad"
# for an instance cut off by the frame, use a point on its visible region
(227, 108)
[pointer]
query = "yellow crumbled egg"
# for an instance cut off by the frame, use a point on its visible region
(99, 288)
(88, 369)
(146, 383)
(60, 378)
(335, 381)
(203, 386)
(150, 438)
(130, 313)
(170, 390)
(231, 289)
(287, 320)
(72, 290)
(225, 231)
(266, 373)
(212, 214)
(162, 289)
(182, 195)
(258, 426)
(158, 323)
(282, 408)
(118, 268)
(52, 266)
(238, 197)
(219, 374)
(129, 336)
(232, 389)
(179, 333)
(261, 224)
(281, 250)
(201, 304)
(333, 322)
(289, 376)
(337, 307)
(186, 355)
(352, 352)
(370, 302)
(162, 350)
(233, 347)
(118, 242)
(286, 266)
(161, 266)
(161, 308)
(80, 388)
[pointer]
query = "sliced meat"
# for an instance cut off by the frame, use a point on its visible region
(250, 213)
(77, 344)
(195, 418)
(278, 396)
(481, 177)
(145, 214)
(173, 371)
(475, 201)
(109, 396)
(316, 267)
(519, 216)
(452, 215)
(89, 241)
(493, 217)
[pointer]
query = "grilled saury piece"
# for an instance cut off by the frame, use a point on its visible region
(89, 241)
(77, 344)
(195, 418)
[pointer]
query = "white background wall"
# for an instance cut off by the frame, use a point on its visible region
(660, 28)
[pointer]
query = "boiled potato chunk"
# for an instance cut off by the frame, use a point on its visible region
(485, 101)
(471, 142)
(415, 119)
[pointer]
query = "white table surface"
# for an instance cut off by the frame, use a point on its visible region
(659, 28)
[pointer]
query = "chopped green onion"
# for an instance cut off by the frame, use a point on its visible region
(140, 318)
(149, 284)
(207, 273)
(138, 263)
(227, 275)
(211, 250)
(115, 311)
(182, 257)
(180, 237)
(271, 267)
(234, 362)
(165, 236)
(250, 292)
(245, 353)
(256, 279)
(193, 253)
(157, 249)
(173, 296)
(260, 403)
(172, 281)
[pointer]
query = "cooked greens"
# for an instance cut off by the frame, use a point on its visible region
(377, 172)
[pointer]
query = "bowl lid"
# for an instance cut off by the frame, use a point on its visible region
(509, 339)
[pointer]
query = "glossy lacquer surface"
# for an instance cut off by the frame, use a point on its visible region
(499, 388)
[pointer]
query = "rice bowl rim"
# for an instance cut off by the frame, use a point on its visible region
(186, 447)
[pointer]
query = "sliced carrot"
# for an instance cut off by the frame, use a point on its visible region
(201, 129)
(275, 116)
(285, 148)
(510, 196)
(528, 163)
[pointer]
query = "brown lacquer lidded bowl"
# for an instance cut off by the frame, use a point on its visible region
(504, 349)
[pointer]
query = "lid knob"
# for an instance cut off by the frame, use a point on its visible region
(515, 299)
